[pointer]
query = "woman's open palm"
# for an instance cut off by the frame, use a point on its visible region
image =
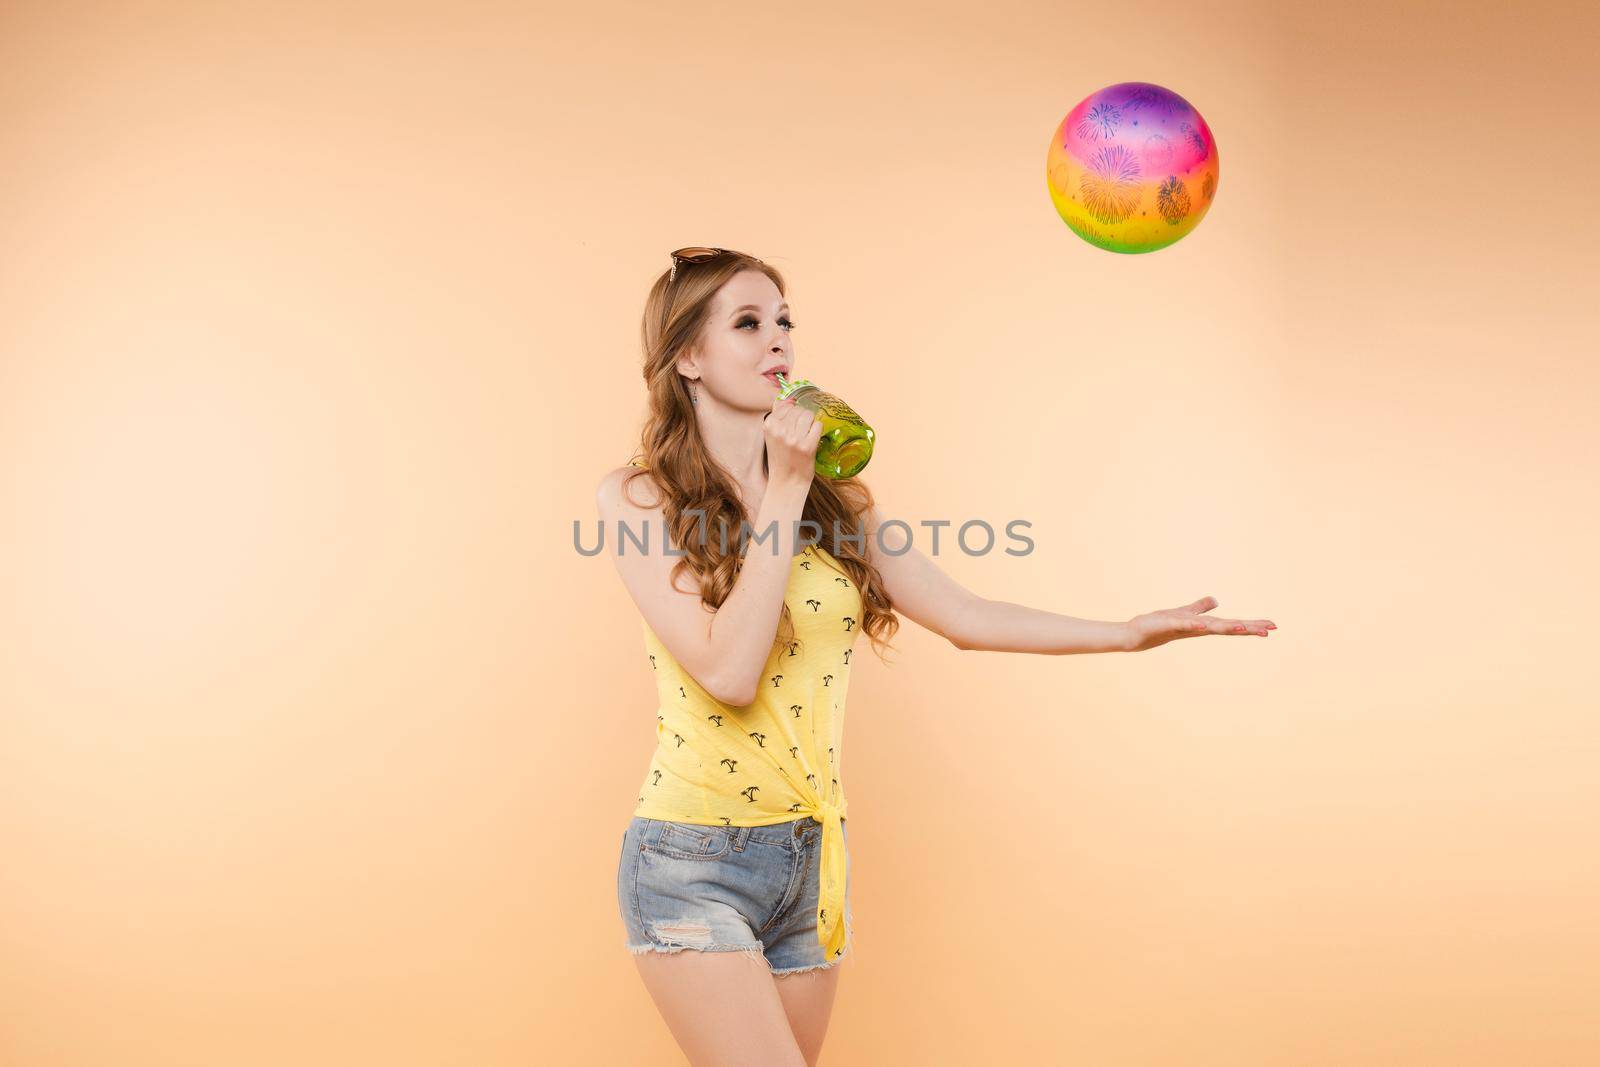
(1159, 627)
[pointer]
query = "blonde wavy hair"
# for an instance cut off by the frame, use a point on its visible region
(697, 493)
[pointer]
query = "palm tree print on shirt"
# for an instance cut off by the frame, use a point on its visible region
(761, 791)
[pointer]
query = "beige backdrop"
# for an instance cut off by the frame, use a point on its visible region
(319, 323)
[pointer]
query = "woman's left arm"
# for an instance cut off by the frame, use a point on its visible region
(929, 597)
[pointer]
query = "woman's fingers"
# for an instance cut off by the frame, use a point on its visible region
(811, 436)
(800, 426)
(1157, 628)
(785, 416)
(1233, 626)
(794, 424)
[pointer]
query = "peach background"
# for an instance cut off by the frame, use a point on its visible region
(319, 322)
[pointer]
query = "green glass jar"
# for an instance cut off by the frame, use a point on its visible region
(846, 443)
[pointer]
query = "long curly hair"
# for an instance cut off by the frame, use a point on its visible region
(698, 494)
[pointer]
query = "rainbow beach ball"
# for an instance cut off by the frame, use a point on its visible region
(1132, 168)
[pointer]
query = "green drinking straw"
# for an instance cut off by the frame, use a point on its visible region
(788, 387)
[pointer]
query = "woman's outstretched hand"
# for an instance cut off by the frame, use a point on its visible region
(1159, 627)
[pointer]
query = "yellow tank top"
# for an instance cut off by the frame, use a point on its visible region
(777, 759)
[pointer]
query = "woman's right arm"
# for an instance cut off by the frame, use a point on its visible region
(723, 650)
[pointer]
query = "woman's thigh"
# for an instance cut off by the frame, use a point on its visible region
(723, 1008)
(808, 1002)
(693, 900)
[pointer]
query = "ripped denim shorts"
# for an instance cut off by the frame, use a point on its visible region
(749, 889)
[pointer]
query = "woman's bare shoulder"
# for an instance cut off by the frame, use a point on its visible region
(628, 488)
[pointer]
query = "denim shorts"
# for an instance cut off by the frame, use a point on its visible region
(749, 889)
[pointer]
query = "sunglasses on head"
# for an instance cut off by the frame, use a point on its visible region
(692, 255)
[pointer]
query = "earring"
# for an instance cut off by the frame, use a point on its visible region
(694, 394)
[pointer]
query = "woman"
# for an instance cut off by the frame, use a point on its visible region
(734, 875)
